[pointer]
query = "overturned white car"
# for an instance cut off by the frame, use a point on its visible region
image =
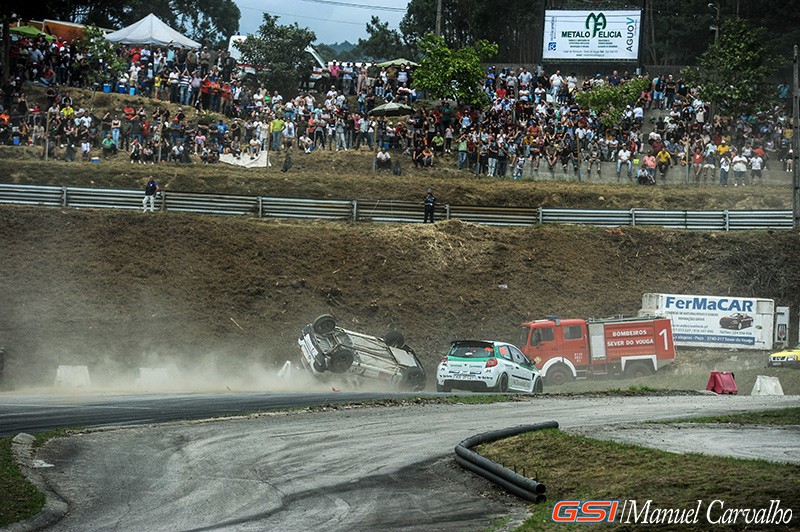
(328, 349)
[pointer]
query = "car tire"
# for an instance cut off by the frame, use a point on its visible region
(324, 324)
(340, 360)
(558, 375)
(320, 368)
(442, 388)
(502, 384)
(637, 370)
(394, 339)
(538, 387)
(739, 325)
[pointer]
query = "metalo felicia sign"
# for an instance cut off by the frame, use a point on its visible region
(591, 35)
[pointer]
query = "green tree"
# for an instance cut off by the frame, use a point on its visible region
(608, 102)
(99, 51)
(456, 74)
(280, 53)
(382, 43)
(209, 21)
(733, 73)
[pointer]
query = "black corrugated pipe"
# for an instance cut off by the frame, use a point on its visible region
(519, 485)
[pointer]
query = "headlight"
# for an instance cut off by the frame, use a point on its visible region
(791, 357)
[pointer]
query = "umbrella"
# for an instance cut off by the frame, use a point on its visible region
(29, 31)
(392, 109)
(398, 62)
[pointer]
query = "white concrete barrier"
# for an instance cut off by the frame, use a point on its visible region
(767, 386)
(152, 378)
(72, 377)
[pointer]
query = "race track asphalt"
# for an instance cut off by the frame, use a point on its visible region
(353, 469)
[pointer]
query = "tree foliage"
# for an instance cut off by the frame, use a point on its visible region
(608, 102)
(514, 25)
(382, 44)
(456, 74)
(733, 73)
(209, 21)
(99, 53)
(280, 54)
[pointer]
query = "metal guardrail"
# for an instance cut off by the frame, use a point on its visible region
(390, 211)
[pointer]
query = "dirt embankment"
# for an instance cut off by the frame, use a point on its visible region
(121, 290)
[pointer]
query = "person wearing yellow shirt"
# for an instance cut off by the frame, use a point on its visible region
(664, 160)
(723, 148)
(276, 128)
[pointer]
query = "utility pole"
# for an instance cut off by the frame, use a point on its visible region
(716, 38)
(439, 18)
(796, 146)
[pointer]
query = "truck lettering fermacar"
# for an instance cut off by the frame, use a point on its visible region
(569, 349)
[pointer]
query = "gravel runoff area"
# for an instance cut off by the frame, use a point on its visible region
(363, 468)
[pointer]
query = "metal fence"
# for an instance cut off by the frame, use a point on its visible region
(389, 211)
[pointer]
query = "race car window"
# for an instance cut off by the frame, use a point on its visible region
(503, 352)
(471, 351)
(519, 358)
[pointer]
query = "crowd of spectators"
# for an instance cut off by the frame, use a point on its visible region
(533, 119)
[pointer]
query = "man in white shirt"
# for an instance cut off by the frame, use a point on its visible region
(624, 157)
(739, 169)
(555, 83)
(756, 164)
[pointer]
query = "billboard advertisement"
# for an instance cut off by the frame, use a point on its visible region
(591, 35)
(711, 321)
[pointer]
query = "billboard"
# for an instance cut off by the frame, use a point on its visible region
(591, 35)
(711, 321)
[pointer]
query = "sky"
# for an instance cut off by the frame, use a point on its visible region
(331, 20)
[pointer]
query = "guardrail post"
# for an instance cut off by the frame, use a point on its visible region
(355, 210)
(540, 214)
(260, 207)
(727, 220)
(63, 196)
(633, 217)
(163, 206)
(447, 211)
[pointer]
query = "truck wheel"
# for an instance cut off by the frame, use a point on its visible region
(324, 324)
(394, 339)
(442, 388)
(538, 387)
(558, 375)
(638, 369)
(340, 360)
(502, 384)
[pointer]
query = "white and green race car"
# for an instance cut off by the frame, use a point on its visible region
(482, 366)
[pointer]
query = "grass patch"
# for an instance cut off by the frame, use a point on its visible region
(579, 468)
(19, 499)
(781, 416)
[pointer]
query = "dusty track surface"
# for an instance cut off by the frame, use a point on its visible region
(359, 469)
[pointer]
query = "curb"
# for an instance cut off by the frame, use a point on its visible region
(517, 484)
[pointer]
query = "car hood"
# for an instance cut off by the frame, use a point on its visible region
(788, 352)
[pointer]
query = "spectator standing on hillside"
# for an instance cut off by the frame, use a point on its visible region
(739, 169)
(150, 191)
(430, 204)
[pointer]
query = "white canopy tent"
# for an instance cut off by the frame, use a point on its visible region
(151, 30)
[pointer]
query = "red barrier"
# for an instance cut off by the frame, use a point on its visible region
(722, 382)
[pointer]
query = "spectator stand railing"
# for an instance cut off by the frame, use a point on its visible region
(390, 211)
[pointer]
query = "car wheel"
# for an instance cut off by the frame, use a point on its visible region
(637, 370)
(558, 375)
(442, 388)
(502, 384)
(324, 324)
(394, 339)
(538, 387)
(341, 360)
(319, 367)
(739, 325)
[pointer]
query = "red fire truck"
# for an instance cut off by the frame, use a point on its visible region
(563, 350)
